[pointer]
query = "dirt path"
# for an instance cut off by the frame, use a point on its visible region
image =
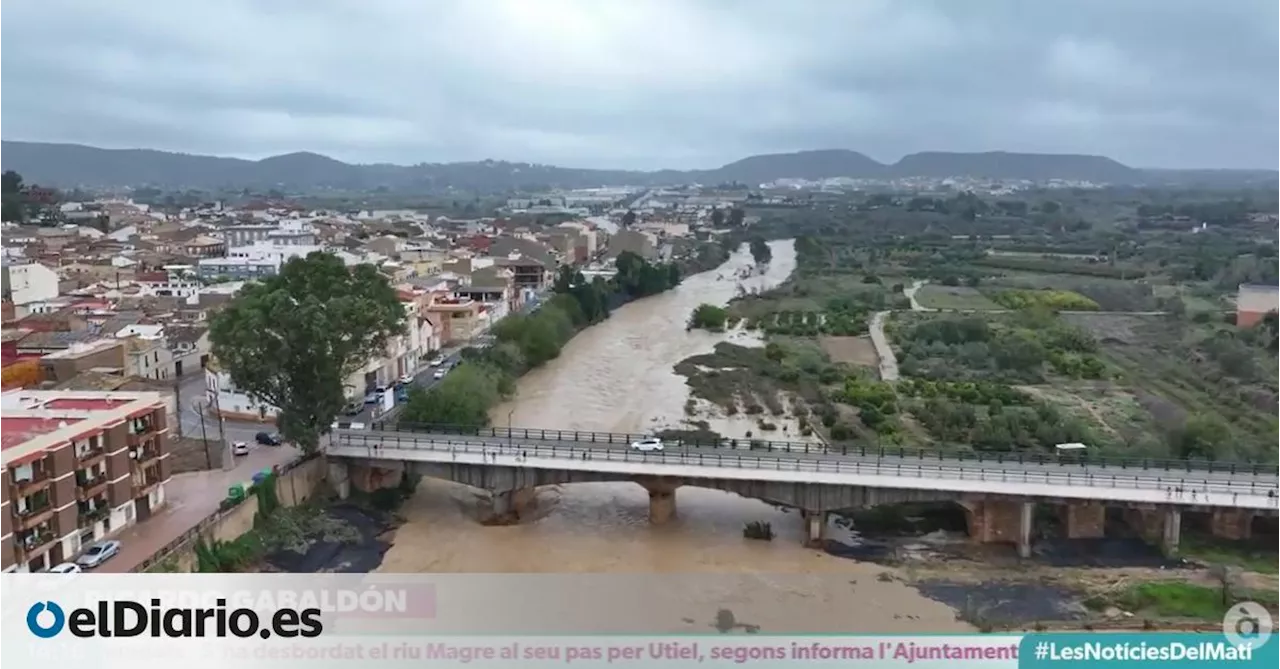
(888, 361)
(911, 291)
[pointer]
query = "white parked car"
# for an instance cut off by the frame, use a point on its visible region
(439, 373)
(98, 553)
(240, 448)
(406, 379)
(650, 444)
(65, 568)
(437, 361)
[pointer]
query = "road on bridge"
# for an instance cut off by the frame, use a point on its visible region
(1175, 477)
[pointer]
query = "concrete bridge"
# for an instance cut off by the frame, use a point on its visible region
(998, 495)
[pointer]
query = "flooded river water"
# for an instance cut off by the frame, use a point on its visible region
(617, 376)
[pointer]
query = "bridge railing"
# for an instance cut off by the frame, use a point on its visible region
(842, 448)
(1178, 488)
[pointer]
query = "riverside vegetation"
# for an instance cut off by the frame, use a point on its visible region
(522, 342)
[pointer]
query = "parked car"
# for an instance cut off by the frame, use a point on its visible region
(650, 444)
(98, 553)
(437, 361)
(65, 568)
(240, 448)
(439, 373)
(371, 398)
(354, 409)
(268, 439)
(406, 379)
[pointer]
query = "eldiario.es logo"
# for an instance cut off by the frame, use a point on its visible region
(126, 618)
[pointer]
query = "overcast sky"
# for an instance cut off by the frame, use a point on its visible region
(647, 83)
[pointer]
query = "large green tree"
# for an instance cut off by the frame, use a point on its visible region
(760, 251)
(292, 340)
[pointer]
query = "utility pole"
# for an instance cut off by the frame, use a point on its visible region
(177, 402)
(228, 458)
(204, 436)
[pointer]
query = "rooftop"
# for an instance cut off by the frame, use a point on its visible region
(20, 430)
(36, 421)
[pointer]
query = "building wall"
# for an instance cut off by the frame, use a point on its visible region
(1254, 302)
(224, 399)
(30, 282)
(63, 368)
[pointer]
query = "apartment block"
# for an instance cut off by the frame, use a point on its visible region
(77, 467)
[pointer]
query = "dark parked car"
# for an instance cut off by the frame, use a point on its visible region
(267, 439)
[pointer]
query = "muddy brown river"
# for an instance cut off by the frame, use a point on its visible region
(617, 376)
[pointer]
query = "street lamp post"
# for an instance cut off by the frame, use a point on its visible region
(510, 438)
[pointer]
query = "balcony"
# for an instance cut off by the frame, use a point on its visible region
(87, 517)
(147, 484)
(34, 544)
(41, 480)
(90, 487)
(35, 515)
(91, 457)
(140, 429)
(144, 457)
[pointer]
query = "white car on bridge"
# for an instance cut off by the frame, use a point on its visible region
(647, 445)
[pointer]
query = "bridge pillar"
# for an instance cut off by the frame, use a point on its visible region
(1001, 522)
(1158, 526)
(815, 525)
(1086, 520)
(508, 506)
(339, 476)
(662, 497)
(1232, 523)
(1172, 533)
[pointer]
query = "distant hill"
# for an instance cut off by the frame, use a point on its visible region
(70, 165)
(1004, 165)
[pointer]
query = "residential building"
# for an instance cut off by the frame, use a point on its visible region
(259, 260)
(459, 318)
(26, 282)
(77, 467)
(630, 240)
(245, 235)
(102, 355)
(172, 281)
(203, 246)
(147, 357)
(533, 264)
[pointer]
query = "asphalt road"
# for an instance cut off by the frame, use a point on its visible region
(1173, 476)
(425, 379)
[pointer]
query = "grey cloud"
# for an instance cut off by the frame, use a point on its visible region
(659, 83)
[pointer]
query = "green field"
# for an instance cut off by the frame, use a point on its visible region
(932, 296)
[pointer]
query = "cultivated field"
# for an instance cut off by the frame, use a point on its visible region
(961, 298)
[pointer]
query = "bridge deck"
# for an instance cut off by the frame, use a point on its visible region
(1198, 489)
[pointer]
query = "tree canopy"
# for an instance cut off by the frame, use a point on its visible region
(293, 339)
(760, 251)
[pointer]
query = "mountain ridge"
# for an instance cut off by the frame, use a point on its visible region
(69, 165)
